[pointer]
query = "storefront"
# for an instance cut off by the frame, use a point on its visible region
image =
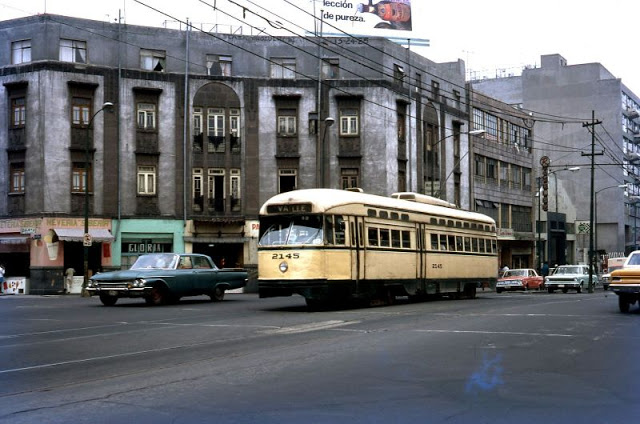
(140, 236)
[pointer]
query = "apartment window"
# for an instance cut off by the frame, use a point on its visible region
(480, 166)
(517, 176)
(21, 52)
(283, 68)
(73, 51)
(492, 171)
(398, 74)
(504, 174)
(401, 122)
(330, 68)
(198, 137)
(349, 121)
(215, 189)
(478, 119)
(234, 130)
(80, 177)
(197, 189)
(492, 127)
(219, 65)
(287, 122)
(16, 184)
(349, 178)
(215, 130)
(18, 112)
(435, 89)
(147, 116)
(80, 111)
(287, 180)
(235, 189)
(526, 179)
(153, 60)
(147, 180)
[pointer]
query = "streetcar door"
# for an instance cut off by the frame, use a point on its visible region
(356, 229)
(421, 260)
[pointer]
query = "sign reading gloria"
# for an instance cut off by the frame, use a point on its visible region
(384, 14)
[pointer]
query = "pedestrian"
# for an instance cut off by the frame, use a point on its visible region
(545, 269)
(68, 279)
(504, 269)
(2, 271)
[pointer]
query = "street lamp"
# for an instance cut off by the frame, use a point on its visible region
(555, 177)
(325, 150)
(595, 216)
(442, 183)
(86, 240)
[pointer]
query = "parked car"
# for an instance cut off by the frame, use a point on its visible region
(574, 277)
(625, 282)
(519, 279)
(161, 278)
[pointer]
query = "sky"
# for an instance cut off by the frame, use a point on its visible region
(493, 37)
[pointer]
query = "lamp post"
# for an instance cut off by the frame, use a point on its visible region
(442, 184)
(86, 241)
(325, 150)
(538, 225)
(595, 215)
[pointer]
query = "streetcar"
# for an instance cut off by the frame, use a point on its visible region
(336, 245)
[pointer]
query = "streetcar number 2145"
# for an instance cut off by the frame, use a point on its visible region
(287, 256)
(436, 266)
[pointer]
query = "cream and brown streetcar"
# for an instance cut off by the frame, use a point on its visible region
(331, 245)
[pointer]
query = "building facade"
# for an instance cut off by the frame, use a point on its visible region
(577, 99)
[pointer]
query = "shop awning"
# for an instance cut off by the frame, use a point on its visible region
(99, 235)
(14, 239)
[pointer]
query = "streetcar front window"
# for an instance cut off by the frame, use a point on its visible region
(290, 230)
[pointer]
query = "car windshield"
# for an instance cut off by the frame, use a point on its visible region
(569, 270)
(158, 261)
(634, 259)
(516, 273)
(302, 229)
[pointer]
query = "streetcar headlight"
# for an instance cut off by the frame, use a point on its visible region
(283, 267)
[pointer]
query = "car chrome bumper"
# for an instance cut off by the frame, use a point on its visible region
(118, 291)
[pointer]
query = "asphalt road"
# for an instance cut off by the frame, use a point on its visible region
(501, 358)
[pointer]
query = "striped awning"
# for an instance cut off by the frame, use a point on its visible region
(99, 235)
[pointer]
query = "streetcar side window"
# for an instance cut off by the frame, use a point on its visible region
(459, 246)
(481, 245)
(395, 238)
(467, 244)
(494, 246)
(406, 239)
(340, 230)
(328, 229)
(372, 236)
(434, 241)
(384, 237)
(474, 245)
(443, 242)
(452, 243)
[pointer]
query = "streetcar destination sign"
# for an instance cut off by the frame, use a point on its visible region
(299, 208)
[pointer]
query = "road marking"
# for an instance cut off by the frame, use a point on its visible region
(507, 333)
(312, 326)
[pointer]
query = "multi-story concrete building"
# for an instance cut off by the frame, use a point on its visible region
(503, 176)
(564, 101)
(175, 138)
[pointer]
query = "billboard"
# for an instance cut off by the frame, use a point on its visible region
(368, 17)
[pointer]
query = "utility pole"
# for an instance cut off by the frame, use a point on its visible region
(593, 154)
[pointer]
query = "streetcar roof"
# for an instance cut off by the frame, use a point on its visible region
(323, 200)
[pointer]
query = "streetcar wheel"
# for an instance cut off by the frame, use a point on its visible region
(157, 296)
(108, 300)
(623, 304)
(217, 295)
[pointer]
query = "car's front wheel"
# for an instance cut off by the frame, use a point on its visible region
(108, 300)
(217, 295)
(624, 304)
(157, 296)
